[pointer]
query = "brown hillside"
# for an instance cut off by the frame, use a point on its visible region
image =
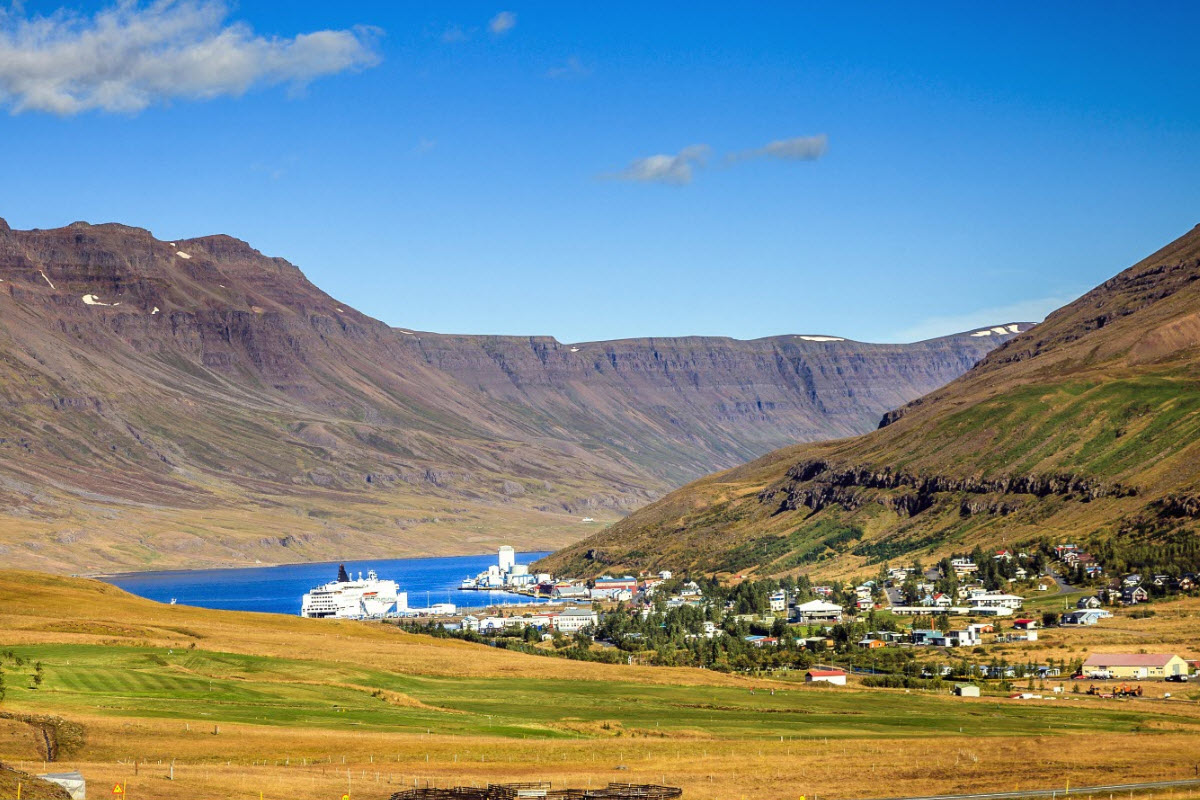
(196, 402)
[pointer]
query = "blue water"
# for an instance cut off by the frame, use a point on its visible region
(278, 589)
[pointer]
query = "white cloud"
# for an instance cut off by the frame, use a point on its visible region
(798, 148)
(502, 23)
(675, 170)
(129, 56)
(573, 67)
(1033, 310)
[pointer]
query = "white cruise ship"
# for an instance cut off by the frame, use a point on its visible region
(345, 598)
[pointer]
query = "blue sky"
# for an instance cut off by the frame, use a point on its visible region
(480, 167)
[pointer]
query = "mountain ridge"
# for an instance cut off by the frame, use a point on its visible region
(195, 402)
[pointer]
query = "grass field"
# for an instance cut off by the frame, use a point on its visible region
(244, 703)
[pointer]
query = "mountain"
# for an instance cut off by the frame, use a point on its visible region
(1086, 427)
(196, 402)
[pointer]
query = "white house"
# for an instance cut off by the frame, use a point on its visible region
(816, 611)
(778, 601)
(998, 600)
(574, 620)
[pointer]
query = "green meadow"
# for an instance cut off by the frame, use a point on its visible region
(208, 687)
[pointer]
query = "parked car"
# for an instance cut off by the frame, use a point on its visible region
(1177, 678)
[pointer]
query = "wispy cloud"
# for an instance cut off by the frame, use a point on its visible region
(129, 56)
(1033, 310)
(454, 34)
(573, 67)
(502, 23)
(798, 148)
(675, 170)
(679, 169)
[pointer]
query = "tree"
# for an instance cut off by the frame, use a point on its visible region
(37, 675)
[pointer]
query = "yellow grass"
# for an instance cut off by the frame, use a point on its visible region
(292, 763)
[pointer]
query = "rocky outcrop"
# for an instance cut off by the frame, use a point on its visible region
(815, 484)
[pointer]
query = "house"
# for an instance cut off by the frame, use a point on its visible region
(963, 566)
(649, 585)
(939, 600)
(570, 591)
(990, 611)
(1135, 666)
(981, 627)
(606, 588)
(778, 601)
(818, 612)
(966, 690)
(817, 643)
(1090, 602)
(469, 623)
(864, 604)
(1025, 624)
(835, 676)
(1088, 616)
(1131, 596)
(870, 644)
(574, 620)
(1003, 555)
(923, 636)
(1186, 583)
(966, 638)
(998, 600)
(690, 589)
(762, 641)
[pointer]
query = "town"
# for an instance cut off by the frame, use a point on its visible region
(896, 629)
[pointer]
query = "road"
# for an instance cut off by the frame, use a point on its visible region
(1063, 586)
(1114, 789)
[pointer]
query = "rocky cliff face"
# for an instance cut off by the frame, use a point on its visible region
(678, 407)
(196, 401)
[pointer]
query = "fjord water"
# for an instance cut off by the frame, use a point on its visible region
(278, 589)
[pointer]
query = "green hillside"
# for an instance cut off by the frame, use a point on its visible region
(1085, 427)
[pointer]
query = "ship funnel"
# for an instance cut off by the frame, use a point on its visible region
(342, 576)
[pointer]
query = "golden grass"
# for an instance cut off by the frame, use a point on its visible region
(242, 760)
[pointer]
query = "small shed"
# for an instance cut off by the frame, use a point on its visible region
(835, 676)
(966, 690)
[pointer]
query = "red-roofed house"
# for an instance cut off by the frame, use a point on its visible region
(835, 676)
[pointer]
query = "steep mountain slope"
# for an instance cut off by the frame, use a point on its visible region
(175, 403)
(1087, 425)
